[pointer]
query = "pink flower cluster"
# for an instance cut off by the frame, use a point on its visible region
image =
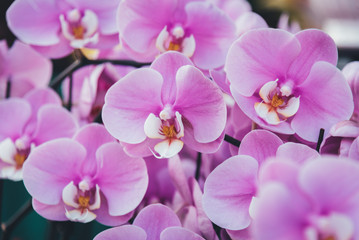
(220, 137)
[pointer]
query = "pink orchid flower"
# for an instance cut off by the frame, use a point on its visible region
(58, 27)
(343, 134)
(85, 178)
(148, 28)
(187, 202)
(316, 200)
(24, 73)
(90, 85)
(158, 109)
(231, 188)
(27, 123)
(289, 83)
(154, 222)
(240, 11)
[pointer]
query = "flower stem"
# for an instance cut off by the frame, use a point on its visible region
(232, 140)
(8, 89)
(9, 226)
(69, 103)
(198, 165)
(320, 139)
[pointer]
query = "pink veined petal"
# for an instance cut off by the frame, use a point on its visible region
(296, 152)
(261, 54)
(36, 21)
(280, 169)
(179, 233)
(143, 149)
(58, 50)
(201, 102)
(140, 36)
(228, 192)
(92, 136)
(204, 224)
(138, 56)
(129, 102)
(167, 65)
(39, 97)
(125, 232)
(330, 182)
(260, 144)
(15, 113)
(354, 149)
(346, 128)
(315, 46)
(247, 104)
(123, 180)
(155, 218)
(179, 178)
(244, 234)
(220, 78)
(275, 216)
(49, 116)
(34, 68)
(104, 217)
(159, 12)
(248, 21)
(213, 38)
(351, 74)
(316, 111)
(190, 141)
(50, 167)
(52, 212)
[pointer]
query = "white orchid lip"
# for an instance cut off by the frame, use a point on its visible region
(333, 226)
(14, 154)
(278, 103)
(82, 202)
(176, 40)
(169, 129)
(80, 28)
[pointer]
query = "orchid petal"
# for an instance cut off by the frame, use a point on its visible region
(129, 102)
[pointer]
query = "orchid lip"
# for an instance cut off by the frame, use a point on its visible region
(176, 40)
(81, 202)
(278, 103)
(169, 130)
(80, 29)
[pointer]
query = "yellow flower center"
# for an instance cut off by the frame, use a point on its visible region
(84, 202)
(174, 47)
(276, 101)
(78, 32)
(169, 131)
(19, 159)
